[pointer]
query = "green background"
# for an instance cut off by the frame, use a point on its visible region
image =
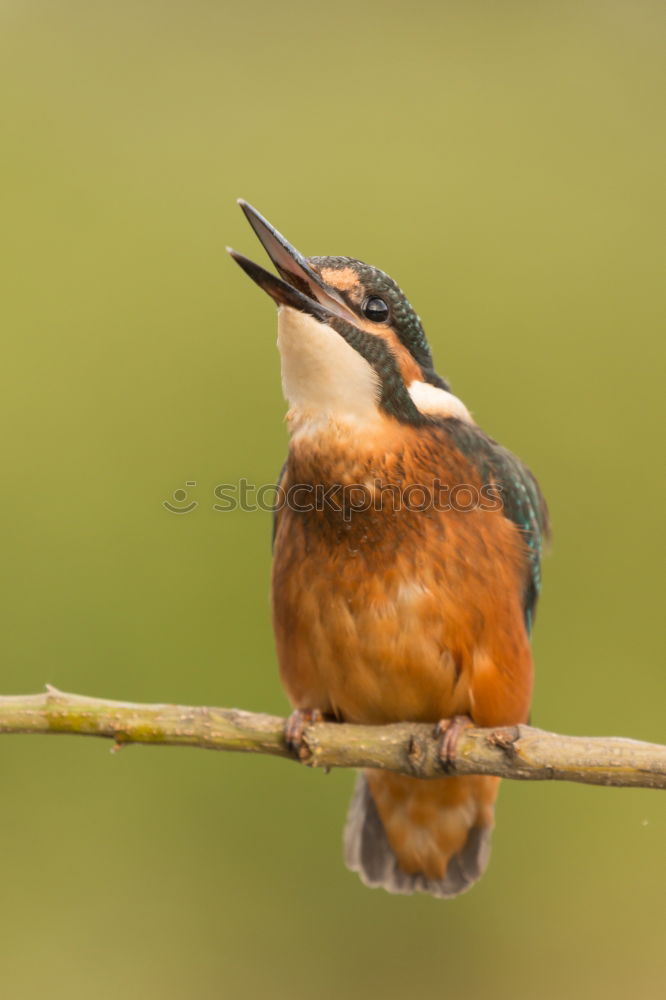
(505, 163)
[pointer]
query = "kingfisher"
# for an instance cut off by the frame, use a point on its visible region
(406, 559)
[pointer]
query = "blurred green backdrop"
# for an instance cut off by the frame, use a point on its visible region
(505, 163)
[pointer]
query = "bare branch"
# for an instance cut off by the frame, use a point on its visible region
(520, 752)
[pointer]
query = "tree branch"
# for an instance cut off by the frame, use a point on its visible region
(520, 752)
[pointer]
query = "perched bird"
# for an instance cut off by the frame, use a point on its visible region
(406, 559)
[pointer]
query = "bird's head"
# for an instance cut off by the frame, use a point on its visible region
(353, 350)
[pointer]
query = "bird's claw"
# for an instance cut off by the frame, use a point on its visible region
(450, 731)
(295, 727)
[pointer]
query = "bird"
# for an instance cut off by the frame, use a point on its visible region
(406, 560)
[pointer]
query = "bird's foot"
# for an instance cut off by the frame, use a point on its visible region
(296, 725)
(450, 731)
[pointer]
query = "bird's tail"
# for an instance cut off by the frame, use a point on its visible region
(414, 835)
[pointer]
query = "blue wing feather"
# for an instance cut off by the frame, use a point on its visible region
(522, 499)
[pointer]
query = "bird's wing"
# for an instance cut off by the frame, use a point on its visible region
(522, 500)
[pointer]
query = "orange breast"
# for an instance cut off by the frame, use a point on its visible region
(385, 614)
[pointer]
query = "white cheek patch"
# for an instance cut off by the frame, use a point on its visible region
(322, 375)
(438, 402)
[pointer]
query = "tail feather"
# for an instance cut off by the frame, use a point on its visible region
(368, 851)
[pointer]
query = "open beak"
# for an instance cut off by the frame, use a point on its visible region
(299, 286)
(282, 293)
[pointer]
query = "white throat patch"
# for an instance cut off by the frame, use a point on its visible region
(323, 377)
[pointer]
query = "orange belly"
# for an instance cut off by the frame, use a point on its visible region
(416, 616)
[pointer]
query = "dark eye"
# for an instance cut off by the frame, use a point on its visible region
(375, 309)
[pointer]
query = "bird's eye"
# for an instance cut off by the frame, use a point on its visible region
(375, 309)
